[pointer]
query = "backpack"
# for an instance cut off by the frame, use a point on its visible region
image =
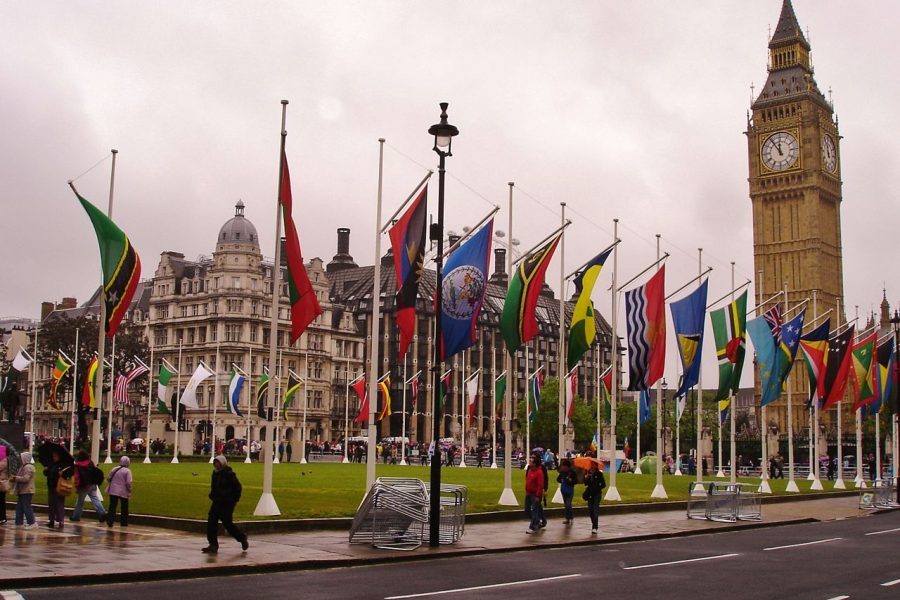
(95, 475)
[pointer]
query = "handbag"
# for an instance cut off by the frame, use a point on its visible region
(585, 495)
(63, 486)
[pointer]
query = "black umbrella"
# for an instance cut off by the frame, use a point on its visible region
(45, 454)
(13, 462)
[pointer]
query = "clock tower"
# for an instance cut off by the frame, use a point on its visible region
(793, 147)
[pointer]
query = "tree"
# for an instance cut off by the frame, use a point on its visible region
(545, 426)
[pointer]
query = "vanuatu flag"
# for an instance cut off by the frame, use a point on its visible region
(87, 395)
(384, 390)
(863, 359)
(729, 325)
(120, 264)
(59, 371)
(814, 346)
(645, 314)
(688, 319)
(262, 392)
(884, 375)
(583, 328)
(304, 305)
(517, 322)
(292, 386)
(837, 367)
(408, 245)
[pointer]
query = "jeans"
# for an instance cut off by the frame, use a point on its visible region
(536, 509)
(93, 493)
(218, 512)
(567, 504)
(23, 509)
(594, 509)
(111, 514)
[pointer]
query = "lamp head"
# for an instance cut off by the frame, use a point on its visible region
(443, 133)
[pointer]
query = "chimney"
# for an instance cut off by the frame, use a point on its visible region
(500, 261)
(46, 309)
(343, 246)
(68, 303)
(342, 260)
(452, 239)
(283, 252)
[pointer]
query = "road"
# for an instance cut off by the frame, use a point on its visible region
(851, 558)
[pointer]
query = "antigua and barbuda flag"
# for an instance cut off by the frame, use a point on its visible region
(408, 245)
(463, 285)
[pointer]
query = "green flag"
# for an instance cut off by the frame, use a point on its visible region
(730, 331)
(518, 323)
(500, 389)
(583, 328)
(166, 372)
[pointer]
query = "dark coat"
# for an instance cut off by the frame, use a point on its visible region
(594, 482)
(225, 488)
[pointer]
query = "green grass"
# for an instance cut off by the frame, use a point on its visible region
(335, 490)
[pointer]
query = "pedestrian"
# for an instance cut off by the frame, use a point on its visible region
(832, 463)
(225, 492)
(4, 483)
(280, 451)
(119, 490)
(56, 503)
(288, 450)
(594, 482)
(86, 486)
(24, 491)
(534, 492)
(567, 479)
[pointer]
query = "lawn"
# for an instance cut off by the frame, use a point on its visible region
(335, 490)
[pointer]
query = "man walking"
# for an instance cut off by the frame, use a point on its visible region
(225, 492)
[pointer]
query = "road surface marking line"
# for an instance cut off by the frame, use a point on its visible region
(884, 531)
(11, 595)
(839, 598)
(890, 583)
(679, 562)
(803, 544)
(483, 587)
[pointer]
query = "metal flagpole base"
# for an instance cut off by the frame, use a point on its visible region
(612, 494)
(462, 463)
(792, 487)
(108, 460)
(811, 476)
(720, 473)
(557, 497)
(678, 472)
(247, 461)
(146, 460)
(860, 484)
(266, 507)
(839, 484)
(659, 492)
(174, 460)
(345, 461)
(494, 465)
(404, 463)
(508, 498)
(303, 461)
(211, 459)
(637, 469)
(699, 490)
(816, 485)
(764, 487)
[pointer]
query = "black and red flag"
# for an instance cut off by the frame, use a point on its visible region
(408, 244)
(837, 368)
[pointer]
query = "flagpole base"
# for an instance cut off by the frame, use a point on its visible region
(403, 462)
(839, 484)
(247, 461)
(508, 498)
(659, 492)
(174, 460)
(462, 463)
(494, 466)
(303, 461)
(637, 470)
(557, 497)
(107, 460)
(764, 487)
(275, 461)
(678, 473)
(612, 494)
(860, 484)
(720, 473)
(816, 485)
(792, 487)
(811, 476)
(345, 461)
(146, 460)
(211, 459)
(699, 490)
(266, 507)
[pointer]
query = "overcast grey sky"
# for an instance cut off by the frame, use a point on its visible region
(633, 110)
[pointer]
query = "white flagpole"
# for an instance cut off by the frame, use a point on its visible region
(74, 385)
(659, 491)
(813, 449)
(839, 482)
(375, 338)
(731, 406)
(34, 376)
(112, 403)
(304, 441)
(528, 407)
(149, 407)
(698, 434)
(403, 413)
(561, 355)
(249, 402)
(678, 414)
(764, 487)
(637, 437)
(814, 434)
(177, 402)
(612, 492)
(464, 409)
(791, 484)
(877, 476)
(215, 401)
(508, 496)
(346, 408)
(276, 440)
(493, 403)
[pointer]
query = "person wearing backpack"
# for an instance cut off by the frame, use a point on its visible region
(225, 492)
(119, 490)
(87, 477)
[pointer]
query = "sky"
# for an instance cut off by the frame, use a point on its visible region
(628, 110)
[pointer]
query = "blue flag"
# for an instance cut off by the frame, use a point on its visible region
(766, 359)
(688, 318)
(790, 342)
(644, 406)
(463, 285)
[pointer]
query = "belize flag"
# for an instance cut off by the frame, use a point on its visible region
(463, 285)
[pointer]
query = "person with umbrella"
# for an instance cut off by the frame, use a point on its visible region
(57, 465)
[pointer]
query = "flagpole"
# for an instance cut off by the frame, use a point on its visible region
(403, 415)
(304, 442)
(463, 410)
(597, 353)
(814, 454)
(637, 448)
(508, 496)
(678, 414)
(764, 487)
(791, 484)
(494, 401)
(612, 493)
(177, 402)
(74, 386)
(561, 355)
(859, 481)
(346, 407)
(698, 434)
(376, 317)
(878, 444)
(731, 407)
(149, 407)
(249, 402)
(276, 439)
(839, 482)
(215, 401)
(659, 491)
(266, 506)
(528, 408)
(112, 385)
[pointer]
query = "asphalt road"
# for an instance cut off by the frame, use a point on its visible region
(853, 558)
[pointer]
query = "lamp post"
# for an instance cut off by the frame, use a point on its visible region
(443, 133)
(664, 389)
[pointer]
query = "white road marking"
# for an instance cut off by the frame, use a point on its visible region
(839, 598)
(884, 531)
(803, 544)
(890, 583)
(11, 595)
(483, 587)
(679, 562)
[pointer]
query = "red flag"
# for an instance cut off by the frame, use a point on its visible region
(304, 304)
(408, 244)
(837, 368)
(360, 388)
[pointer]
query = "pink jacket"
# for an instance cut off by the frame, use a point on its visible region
(119, 482)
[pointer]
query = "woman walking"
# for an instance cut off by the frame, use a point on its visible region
(534, 492)
(594, 482)
(567, 480)
(56, 504)
(119, 490)
(24, 490)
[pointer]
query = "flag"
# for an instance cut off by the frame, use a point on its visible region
(788, 345)
(583, 328)
(517, 321)
(723, 406)
(444, 388)
(293, 385)
(120, 391)
(766, 359)
(646, 319)
(814, 346)
(87, 395)
(166, 373)
(463, 284)
(774, 318)
(472, 392)
(384, 390)
(729, 325)
(862, 358)
(60, 368)
(606, 392)
(362, 392)
(120, 263)
(595, 442)
(235, 385)
(500, 388)
(537, 385)
(837, 367)
(189, 396)
(262, 393)
(571, 388)
(408, 244)
(21, 361)
(885, 384)
(645, 400)
(304, 305)
(688, 319)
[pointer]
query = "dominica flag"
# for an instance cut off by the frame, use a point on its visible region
(87, 394)
(518, 323)
(120, 263)
(583, 329)
(408, 245)
(304, 304)
(359, 386)
(384, 390)
(235, 385)
(814, 346)
(166, 373)
(262, 392)
(863, 358)
(60, 368)
(293, 385)
(729, 325)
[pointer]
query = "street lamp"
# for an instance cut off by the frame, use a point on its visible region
(443, 133)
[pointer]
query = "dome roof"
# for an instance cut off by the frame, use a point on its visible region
(238, 229)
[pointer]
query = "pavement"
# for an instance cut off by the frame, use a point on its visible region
(88, 552)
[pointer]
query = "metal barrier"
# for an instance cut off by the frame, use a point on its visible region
(725, 502)
(886, 493)
(697, 500)
(749, 503)
(722, 502)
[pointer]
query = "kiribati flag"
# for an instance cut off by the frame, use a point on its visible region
(646, 320)
(463, 285)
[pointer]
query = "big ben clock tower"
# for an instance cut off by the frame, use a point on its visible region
(795, 187)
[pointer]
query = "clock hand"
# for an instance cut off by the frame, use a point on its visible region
(780, 153)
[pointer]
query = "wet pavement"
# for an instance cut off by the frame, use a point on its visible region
(86, 551)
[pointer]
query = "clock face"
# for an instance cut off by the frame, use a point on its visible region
(829, 153)
(780, 151)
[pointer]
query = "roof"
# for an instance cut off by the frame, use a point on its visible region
(788, 29)
(91, 307)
